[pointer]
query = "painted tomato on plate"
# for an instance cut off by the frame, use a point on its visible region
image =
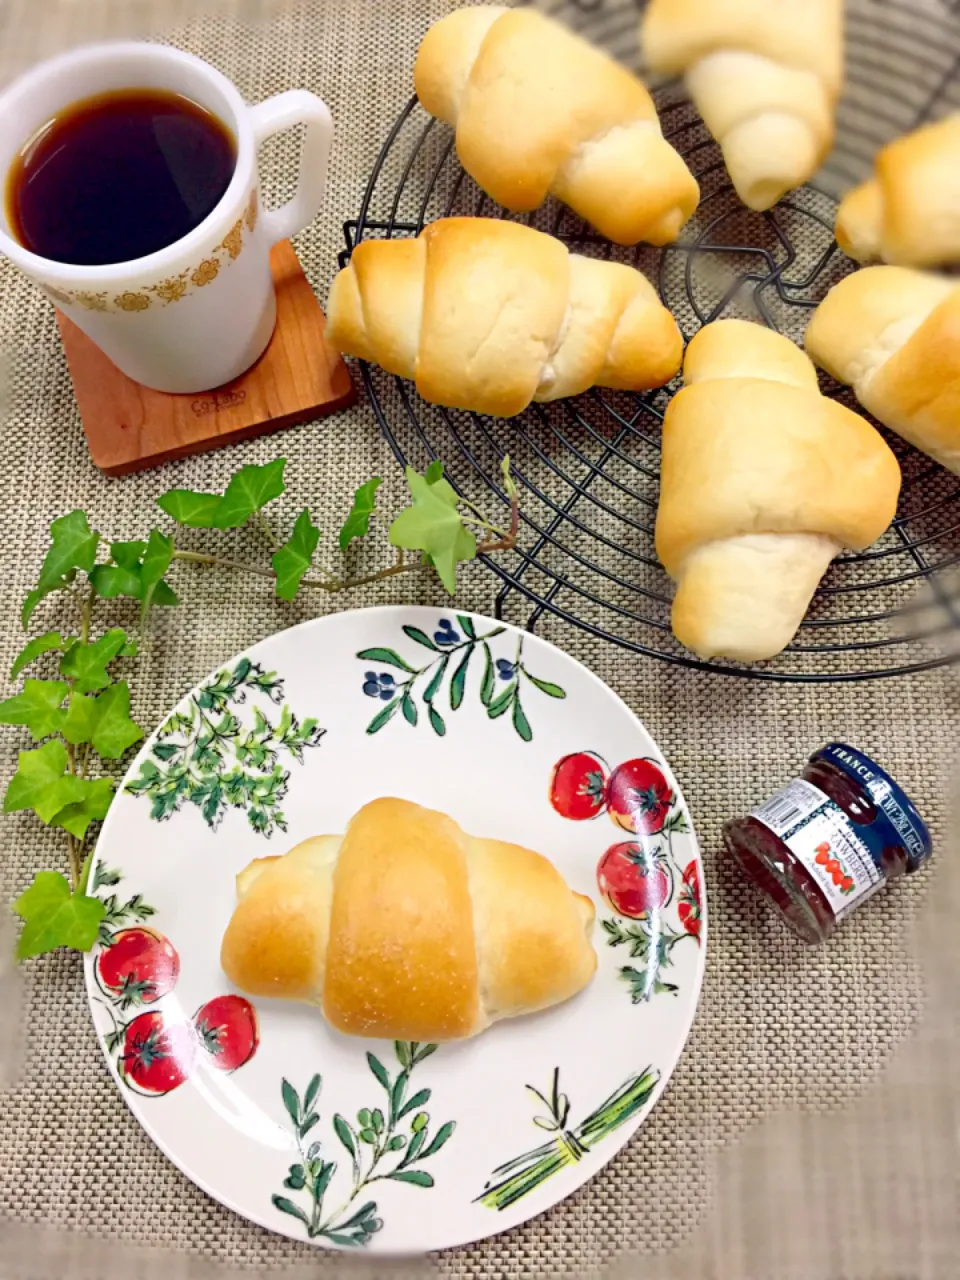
(638, 797)
(632, 880)
(138, 967)
(577, 786)
(227, 1028)
(157, 1055)
(688, 908)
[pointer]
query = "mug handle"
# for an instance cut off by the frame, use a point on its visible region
(297, 106)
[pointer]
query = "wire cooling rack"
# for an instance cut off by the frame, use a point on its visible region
(588, 467)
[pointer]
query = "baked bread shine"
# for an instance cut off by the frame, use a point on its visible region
(488, 314)
(763, 481)
(908, 213)
(765, 76)
(538, 111)
(407, 928)
(893, 334)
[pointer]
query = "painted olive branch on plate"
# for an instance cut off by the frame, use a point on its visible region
(387, 1143)
(79, 709)
(452, 653)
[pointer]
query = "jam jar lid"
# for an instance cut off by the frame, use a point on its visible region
(894, 807)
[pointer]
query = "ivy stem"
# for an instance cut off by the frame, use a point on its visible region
(265, 526)
(505, 541)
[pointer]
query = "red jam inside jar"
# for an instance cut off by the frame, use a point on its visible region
(829, 840)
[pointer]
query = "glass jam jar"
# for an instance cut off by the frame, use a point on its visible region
(829, 840)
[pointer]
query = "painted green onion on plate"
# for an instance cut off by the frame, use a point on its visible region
(510, 1182)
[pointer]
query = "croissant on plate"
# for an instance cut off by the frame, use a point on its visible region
(487, 314)
(407, 928)
(765, 76)
(908, 213)
(538, 111)
(893, 334)
(763, 481)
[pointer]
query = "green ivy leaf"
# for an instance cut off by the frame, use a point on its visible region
(96, 798)
(40, 783)
(293, 560)
(189, 508)
(86, 664)
(250, 490)
(54, 917)
(111, 581)
(433, 525)
(103, 721)
(357, 523)
(37, 708)
(73, 545)
(434, 472)
(127, 554)
(157, 559)
(34, 649)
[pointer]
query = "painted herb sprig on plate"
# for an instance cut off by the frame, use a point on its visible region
(516, 1178)
(389, 1142)
(204, 756)
(451, 651)
(77, 711)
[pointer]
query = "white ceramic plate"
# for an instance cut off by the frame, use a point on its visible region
(394, 1147)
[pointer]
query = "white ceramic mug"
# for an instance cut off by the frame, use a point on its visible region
(200, 312)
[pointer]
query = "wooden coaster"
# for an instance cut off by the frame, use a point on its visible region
(298, 377)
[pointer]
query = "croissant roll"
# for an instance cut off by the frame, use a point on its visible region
(908, 213)
(487, 314)
(407, 928)
(893, 334)
(763, 481)
(765, 76)
(538, 111)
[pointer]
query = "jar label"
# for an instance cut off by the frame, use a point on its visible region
(821, 836)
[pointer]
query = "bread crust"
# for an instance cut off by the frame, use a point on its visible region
(539, 110)
(893, 334)
(407, 928)
(489, 314)
(764, 76)
(908, 213)
(763, 480)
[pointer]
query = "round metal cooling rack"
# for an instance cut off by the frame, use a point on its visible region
(588, 467)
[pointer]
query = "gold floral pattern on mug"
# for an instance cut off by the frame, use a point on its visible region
(253, 211)
(233, 240)
(91, 301)
(130, 301)
(58, 297)
(171, 290)
(208, 270)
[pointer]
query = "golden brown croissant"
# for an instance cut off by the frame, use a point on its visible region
(537, 111)
(908, 213)
(407, 928)
(764, 74)
(487, 314)
(763, 482)
(894, 336)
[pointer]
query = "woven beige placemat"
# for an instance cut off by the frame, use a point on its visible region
(867, 1189)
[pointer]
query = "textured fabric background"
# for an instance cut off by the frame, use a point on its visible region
(732, 1169)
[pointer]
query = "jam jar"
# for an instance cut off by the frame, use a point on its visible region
(829, 840)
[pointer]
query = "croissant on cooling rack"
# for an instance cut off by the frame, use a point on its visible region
(763, 481)
(407, 928)
(893, 334)
(538, 111)
(488, 315)
(765, 76)
(908, 213)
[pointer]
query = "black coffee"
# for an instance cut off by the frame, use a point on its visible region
(118, 176)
